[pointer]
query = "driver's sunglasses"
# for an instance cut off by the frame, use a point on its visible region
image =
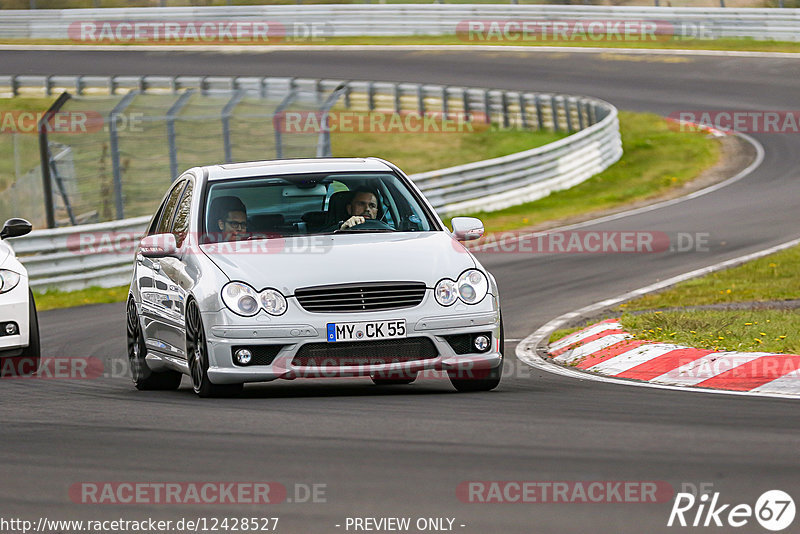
(237, 225)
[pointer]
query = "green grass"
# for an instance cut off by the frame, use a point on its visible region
(724, 330)
(656, 159)
(727, 44)
(773, 277)
(54, 299)
(416, 153)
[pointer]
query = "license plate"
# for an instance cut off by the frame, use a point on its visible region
(366, 330)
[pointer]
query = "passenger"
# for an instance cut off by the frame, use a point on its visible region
(232, 218)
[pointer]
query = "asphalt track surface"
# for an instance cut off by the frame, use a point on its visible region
(401, 452)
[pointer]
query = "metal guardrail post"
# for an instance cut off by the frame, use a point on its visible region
(504, 105)
(579, 109)
(371, 96)
(554, 112)
(539, 117)
(44, 156)
(445, 103)
(227, 111)
(487, 106)
(114, 149)
(465, 104)
(173, 151)
(568, 114)
(523, 115)
(420, 100)
(398, 104)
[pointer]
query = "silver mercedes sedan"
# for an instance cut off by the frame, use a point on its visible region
(308, 268)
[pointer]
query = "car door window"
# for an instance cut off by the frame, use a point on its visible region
(168, 213)
(181, 226)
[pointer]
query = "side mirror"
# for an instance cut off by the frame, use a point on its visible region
(15, 228)
(158, 246)
(467, 228)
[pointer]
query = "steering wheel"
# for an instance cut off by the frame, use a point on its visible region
(373, 224)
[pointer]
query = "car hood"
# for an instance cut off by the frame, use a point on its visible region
(5, 252)
(290, 263)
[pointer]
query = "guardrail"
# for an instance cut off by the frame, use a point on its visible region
(296, 21)
(54, 257)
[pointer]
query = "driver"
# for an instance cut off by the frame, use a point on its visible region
(363, 206)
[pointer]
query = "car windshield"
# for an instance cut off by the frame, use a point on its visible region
(312, 204)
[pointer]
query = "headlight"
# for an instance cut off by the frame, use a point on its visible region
(472, 286)
(273, 302)
(240, 298)
(244, 300)
(8, 280)
(446, 292)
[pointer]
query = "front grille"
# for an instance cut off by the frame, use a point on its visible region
(361, 297)
(365, 352)
(262, 354)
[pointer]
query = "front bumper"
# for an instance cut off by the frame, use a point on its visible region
(312, 328)
(14, 308)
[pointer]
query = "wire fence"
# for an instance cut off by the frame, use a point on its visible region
(130, 147)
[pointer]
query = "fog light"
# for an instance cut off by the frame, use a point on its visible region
(243, 356)
(481, 343)
(11, 329)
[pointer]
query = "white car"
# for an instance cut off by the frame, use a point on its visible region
(286, 269)
(19, 326)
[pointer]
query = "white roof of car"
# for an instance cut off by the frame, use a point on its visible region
(294, 166)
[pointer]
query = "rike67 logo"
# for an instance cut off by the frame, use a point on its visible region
(774, 510)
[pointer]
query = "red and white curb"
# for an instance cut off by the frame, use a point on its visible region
(607, 349)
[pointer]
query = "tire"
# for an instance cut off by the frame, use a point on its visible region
(33, 351)
(480, 380)
(197, 354)
(143, 377)
(378, 380)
